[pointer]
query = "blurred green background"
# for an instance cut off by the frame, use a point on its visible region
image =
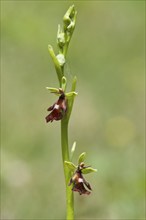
(107, 56)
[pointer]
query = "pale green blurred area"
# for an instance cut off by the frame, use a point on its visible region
(107, 56)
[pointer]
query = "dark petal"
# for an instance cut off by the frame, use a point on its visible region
(51, 107)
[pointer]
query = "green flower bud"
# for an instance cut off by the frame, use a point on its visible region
(60, 37)
(70, 19)
(69, 15)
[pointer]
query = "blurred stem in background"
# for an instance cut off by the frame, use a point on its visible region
(63, 39)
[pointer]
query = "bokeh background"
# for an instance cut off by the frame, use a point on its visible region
(107, 56)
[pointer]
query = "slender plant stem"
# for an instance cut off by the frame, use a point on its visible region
(65, 157)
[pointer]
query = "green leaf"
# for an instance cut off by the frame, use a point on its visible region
(88, 170)
(81, 157)
(70, 165)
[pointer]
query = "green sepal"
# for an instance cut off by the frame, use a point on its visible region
(53, 90)
(82, 157)
(88, 170)
(70, 165)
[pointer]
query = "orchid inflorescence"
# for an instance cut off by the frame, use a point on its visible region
(61, 110)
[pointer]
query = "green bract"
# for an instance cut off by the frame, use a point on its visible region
(73, 150)
(70, 94)
(64, 83)
(56, 63)
(73, 147)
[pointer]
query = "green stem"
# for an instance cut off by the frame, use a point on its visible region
(65, 49)
(67, 173)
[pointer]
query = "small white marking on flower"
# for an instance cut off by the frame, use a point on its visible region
(56, 106)
(80, 180)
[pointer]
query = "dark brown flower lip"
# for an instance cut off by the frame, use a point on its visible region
(80, 189)
(58, 109)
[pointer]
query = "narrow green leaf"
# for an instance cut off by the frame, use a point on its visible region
(70, 165)
(88, 170)
(81, 157)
